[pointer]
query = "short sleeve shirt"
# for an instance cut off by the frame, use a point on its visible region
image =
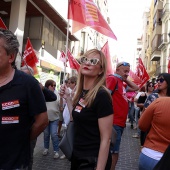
(87, 135)
(120, 101)
(20, 100)
(150, 99)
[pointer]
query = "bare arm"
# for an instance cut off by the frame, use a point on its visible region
(64, 93)
(132, 86)
(105, 127)
(41, 121)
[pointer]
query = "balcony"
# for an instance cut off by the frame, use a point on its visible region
(163, 41)
(166, 10)
(156, 52)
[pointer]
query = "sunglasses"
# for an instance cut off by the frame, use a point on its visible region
(72, 82)
(91, 61)
(53, 85)
(161, 80)
(124, 64)
(150, 86)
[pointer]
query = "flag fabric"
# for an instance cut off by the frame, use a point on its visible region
(29, 56)
(105, 50)
(63, 57)
(142, 73)
(85, 13)
(134, 78)
(72, 61)
(169, 65)
(2, 25)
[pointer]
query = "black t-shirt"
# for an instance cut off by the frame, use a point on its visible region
(87, 135)
(20, 100)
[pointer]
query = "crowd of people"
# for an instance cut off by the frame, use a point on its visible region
(94, 101)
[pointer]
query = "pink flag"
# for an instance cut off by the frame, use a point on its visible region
(105, 50)
(142, 73)
(2, 25)
(85, 13)
(72, 61)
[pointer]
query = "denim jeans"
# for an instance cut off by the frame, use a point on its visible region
(51, 130)
(115, 148)
(146, 163)
(137, 112)
(131, 112)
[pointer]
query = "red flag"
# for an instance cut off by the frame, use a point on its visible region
(169, 65)
(133, 77)
(105, 50)
(2, 25)
(72, 61)
(141, 73)
(85, 13)
(29, 55)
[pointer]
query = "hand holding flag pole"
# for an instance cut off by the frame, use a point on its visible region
(25, 63)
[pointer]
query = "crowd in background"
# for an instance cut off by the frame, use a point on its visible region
(94, 101)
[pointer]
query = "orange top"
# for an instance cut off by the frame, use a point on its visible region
(157, 118)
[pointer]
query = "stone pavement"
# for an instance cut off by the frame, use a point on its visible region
(128, 160)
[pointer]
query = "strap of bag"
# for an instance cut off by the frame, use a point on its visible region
(116, 86)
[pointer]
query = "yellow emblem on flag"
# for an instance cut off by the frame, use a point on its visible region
(91, 13)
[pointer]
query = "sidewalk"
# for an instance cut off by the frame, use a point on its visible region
(128, 160)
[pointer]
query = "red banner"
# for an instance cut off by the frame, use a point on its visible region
(85, 13)
(105, 50)
(2, 25)
(142, 73)
(29, 55)
(72, 61)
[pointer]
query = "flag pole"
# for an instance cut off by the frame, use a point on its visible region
(25, 63)
(66, 48)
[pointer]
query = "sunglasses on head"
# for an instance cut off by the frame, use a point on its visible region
(91, 61)
(161, 80)
(124, 64)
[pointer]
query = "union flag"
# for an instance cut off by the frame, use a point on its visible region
(72, 61)
(142, 73)
(85, 13)
(106, 52)
(29, 56)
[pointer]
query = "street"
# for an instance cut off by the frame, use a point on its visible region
(128, 160)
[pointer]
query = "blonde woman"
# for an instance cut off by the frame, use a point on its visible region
(92, 113)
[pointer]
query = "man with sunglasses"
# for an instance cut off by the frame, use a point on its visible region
(115, 83)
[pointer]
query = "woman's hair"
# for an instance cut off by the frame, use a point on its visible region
(142, 89)
(73, 79)
(11, 44)
(148, 84)
(49, 83)
(100, 82)
(166, 76)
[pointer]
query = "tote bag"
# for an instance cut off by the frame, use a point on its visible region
(66, 143)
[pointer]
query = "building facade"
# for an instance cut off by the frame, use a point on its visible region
(45, 23)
